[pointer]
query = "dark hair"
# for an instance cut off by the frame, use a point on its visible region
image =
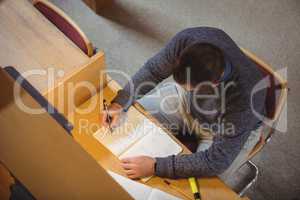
(204, 61)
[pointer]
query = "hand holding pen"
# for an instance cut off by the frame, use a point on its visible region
(110, 115)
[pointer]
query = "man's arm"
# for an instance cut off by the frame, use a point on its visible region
(210, 162)
(155, 70)
(216, 159)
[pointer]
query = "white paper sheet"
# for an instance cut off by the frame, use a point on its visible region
(157, 143)
(140, 191)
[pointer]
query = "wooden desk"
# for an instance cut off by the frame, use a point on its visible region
(210, 188)
(29, 41)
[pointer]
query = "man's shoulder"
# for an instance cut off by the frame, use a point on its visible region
(205, 34)
(201, 29)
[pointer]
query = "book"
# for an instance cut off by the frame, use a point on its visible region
(134, 138)
(140, 191)
(138, 136)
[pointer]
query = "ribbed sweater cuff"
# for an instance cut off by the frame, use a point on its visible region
(165, 167)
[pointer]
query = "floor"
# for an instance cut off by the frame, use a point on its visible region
(130, 31)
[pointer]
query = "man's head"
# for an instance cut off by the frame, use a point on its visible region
(198, 63)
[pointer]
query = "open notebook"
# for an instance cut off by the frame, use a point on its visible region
(134, 138)
(140, 191)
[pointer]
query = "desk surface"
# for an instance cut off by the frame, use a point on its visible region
(210, 188)
(29, 41)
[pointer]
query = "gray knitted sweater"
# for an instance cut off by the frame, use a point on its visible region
(244, 76)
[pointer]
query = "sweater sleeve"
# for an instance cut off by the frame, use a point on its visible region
(210, 162)
(213, 161)
(155, 70)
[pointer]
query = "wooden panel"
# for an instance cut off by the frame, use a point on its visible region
(30, 42)
(45, 158)
(70, 91)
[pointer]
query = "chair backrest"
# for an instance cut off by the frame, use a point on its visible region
(65, 25)
(274, 92)
(275, 99)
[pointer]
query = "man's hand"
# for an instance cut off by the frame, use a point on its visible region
(114, 111)
(138, 167)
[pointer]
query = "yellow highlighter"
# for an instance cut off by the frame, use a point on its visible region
(194, 187)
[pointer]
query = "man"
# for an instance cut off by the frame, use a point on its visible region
(215, 94)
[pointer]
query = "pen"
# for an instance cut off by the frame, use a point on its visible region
(194, 187)
(108, 117)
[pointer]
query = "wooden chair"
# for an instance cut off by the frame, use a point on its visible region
(65, 25)
(275, 102)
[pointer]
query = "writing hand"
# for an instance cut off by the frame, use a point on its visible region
(114, 112)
